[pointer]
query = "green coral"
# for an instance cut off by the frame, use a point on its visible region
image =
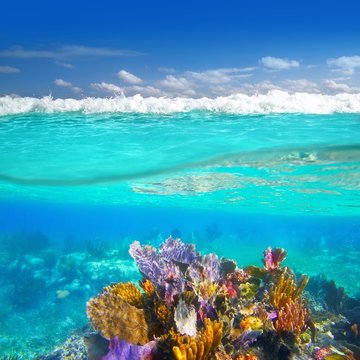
(248, 290)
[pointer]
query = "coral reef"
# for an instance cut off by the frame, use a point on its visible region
(189, 306)
(199, 307)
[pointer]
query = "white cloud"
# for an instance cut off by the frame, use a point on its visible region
(65, 51)
(301, 85)
(260, 87)
(146, 90)
(344, 64)
(107, 87)
(220, 76)
(8, 70)
(336, 87)
(66, 84)
(178, 85)
(175, 83)
(129, 77)
(62, 83)
(65, 65)
(277, 64)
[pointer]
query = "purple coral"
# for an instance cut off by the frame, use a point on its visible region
(273, 258)
(176, 250)
(162, 272)
(121, 349)
(206, 268)
(148, 260)
(172, 281)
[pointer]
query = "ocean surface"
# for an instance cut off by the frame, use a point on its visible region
(81, 179)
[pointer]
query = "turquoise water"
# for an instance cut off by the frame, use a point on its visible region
(232, 183)
(288, 164)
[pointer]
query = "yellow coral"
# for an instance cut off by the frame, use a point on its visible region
(147, 286)
(112, 315)
(248, 290)
(128, 292)
(251, 323)
(206, 290)
(201, 346)
(286, 290)
(292, 317)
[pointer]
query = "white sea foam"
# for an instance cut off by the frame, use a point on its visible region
(273, 102)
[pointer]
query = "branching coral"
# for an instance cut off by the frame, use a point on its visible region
(292, 318)
(201, 347)
(286, 290)
(112, 315)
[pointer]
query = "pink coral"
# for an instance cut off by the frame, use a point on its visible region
(320, 353)
(273, 258)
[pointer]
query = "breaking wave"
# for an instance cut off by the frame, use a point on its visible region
(273, 102)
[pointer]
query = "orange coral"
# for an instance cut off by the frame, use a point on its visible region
(163, 313)
(246, 357)
(286, 290)
(147, 286)
(113, 313)
(292, 317)
(251, 323)
(201, 346)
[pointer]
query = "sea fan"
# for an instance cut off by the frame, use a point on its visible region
(206, 268)
(273, 258)
(162, 272)
(176, 250)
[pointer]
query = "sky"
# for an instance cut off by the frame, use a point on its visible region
(182, 48)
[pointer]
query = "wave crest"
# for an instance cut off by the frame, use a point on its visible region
(273, 102)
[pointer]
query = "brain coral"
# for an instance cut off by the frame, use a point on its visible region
(113, 313)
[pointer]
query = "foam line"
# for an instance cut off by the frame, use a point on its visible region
(273, 102)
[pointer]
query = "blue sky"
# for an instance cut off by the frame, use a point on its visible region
(178, 48)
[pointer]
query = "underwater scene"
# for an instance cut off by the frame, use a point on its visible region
(135, 228)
